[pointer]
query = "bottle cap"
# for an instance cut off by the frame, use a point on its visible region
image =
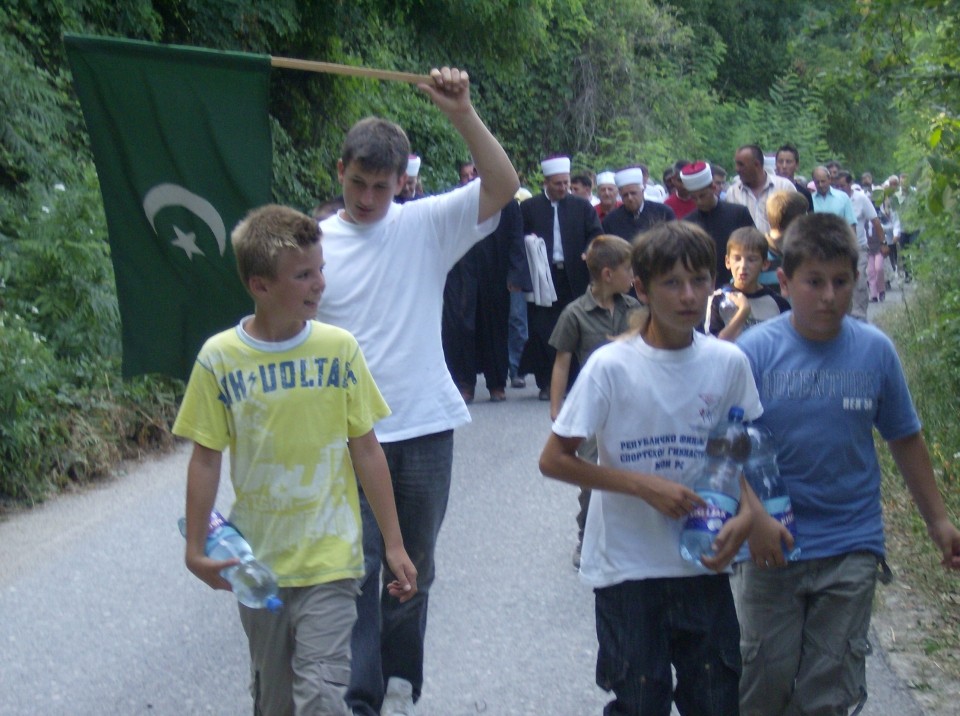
(274, 604)
(736, 413)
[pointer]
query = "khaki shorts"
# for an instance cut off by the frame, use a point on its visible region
(300, 656)
(803, 634)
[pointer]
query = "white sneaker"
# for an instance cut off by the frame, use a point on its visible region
(398, 700)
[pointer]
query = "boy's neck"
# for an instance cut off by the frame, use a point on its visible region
(751, 287)
(656, 335)
(269, 330)
(602, 295)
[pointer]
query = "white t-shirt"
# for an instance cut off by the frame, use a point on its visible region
(865, 212)
(651, 410)
(385, 285)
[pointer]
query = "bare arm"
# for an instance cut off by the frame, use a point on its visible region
(913, 460)
(374, 475)
(559, 460)
(558, 382)
(498, 179)
(203, 479)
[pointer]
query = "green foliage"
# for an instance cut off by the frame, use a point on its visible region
(33, 125)
(793, 113)
(27, 422)
(58, 272)
(609, 83)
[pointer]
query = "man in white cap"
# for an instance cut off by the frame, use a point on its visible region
(567, 224)
(409, 192)
(718, 218)
(607, 193)
(635, 214)
(754, 184)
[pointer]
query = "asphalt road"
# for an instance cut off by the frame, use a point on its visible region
(98, 615)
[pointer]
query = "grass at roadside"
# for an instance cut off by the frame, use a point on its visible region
(911, 553)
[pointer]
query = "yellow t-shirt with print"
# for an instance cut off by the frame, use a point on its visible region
(285, 410)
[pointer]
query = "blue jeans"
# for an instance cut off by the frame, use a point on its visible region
(644, 626)
(388, 636)
(517, 330)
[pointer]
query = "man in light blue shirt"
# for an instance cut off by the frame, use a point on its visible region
(827, 200)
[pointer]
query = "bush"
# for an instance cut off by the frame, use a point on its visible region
(58, 271)
(27, 417)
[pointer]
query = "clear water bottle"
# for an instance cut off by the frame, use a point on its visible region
(726, 306)
(254, 584)
(718, 483)
(762, 473)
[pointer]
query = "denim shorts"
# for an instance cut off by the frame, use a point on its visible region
(646, 626)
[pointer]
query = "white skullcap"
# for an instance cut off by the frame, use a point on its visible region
(556, 165)
(606, 178)
(625, 177)
(696, 176)
(522, 194)
(413, 165)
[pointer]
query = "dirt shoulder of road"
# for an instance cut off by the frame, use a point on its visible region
(911, 617)
(908, 623)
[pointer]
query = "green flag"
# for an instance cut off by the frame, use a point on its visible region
(181, 141)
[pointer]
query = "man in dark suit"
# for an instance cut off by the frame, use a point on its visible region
(635, 215)
(718, 218)
(566, 223)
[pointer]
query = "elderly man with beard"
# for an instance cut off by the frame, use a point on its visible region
(567, 224)
(635, 214)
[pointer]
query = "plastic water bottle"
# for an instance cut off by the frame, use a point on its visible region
(763, 475)
(718, 483)
(254, 584)
(726, 306)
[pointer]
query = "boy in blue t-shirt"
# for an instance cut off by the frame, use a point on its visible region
(826, 381)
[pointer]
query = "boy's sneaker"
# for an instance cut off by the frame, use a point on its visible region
(398, 700)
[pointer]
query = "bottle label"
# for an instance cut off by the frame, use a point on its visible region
(781, 510)
(216, 523)
(712, 516)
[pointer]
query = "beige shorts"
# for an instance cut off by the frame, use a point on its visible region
(300, 656)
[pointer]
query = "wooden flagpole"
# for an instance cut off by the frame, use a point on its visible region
(335, 69)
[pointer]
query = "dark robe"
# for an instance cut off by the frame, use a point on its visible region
(476, 303)
(578, 225)
(622, 223)
(720, 222)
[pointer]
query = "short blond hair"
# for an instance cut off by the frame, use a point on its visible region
(606, 251)
(264, 232)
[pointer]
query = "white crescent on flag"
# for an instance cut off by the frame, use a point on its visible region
(164, 195)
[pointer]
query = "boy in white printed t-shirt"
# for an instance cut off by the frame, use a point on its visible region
(651, 399)
(294, 402)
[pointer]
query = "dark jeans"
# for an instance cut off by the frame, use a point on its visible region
(388, 636)
(517, 331)
(644, 626)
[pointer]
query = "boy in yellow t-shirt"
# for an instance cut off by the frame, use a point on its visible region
(294, 402)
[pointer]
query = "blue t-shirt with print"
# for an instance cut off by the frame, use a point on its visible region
(821, 401)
